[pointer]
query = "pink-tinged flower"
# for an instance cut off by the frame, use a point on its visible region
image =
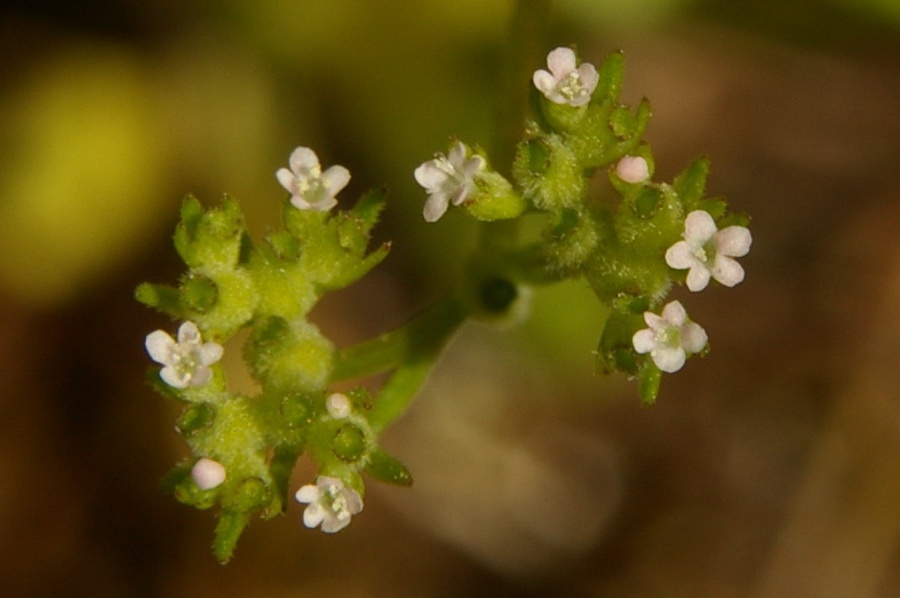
(709, 252)
(566, 83)
(207, 474)
(633, 169)
(330, 503)
(338, 405)
(670, 337)
(448, 180)
(310, 188)
(186, 362)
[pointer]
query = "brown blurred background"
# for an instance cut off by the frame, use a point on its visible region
(771, 468)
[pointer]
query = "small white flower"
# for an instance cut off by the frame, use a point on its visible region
(670, 337)
(709, 252)
(448, 179)
(310, 188)
(566, 83)
(186, 361)
(330, 503)
(633, 169)
(338, 405)
(207, 473)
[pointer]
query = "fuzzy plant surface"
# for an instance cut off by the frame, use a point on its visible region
(631, 246)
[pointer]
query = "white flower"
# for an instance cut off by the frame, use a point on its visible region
(186, 361)
(207, 473)
(330, 504)
(310, 188)
(633, 169)
(670, 337)
(338, 405)
(566, 84)
(709, 252)
(448, 179)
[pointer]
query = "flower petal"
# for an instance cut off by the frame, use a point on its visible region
(457, 155)
(727, 271)
(335, 179)
(698, 278)
(674, 314)
(188, 333)
(307, 494)
(669, 359)
(472, 166)
(680, 256)
(210, 353)
(159, 346)
(435, 206)
(313, 515)
(644, 340)
(589, 77)
(334, 524)
(303, 160)
(733, 241)
(286, 178)
(561, 62)
(693, 337)
(430, 176)
(699, 227)
(173, 377)
(200, 376)
(543, 81)
(654, 321)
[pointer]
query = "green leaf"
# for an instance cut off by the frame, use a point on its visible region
(649, 379)
(691, 183)
(160, 297)
(385, 468)
(369, 207)
(228, 530)
(614, 351)
(198, 292)
(609, 83)
(194, 418)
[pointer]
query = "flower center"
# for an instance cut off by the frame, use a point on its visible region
(669, 336)
(185, 362)
(338, 503)
(570, 87)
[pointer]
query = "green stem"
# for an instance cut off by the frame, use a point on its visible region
(426, 339)
(399, 346)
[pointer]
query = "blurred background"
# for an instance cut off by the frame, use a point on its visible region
(771, 468)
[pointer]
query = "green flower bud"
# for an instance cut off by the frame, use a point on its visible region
(195, 417)
(550, 174)
(349, 443)
(198, 292)
(494, 198)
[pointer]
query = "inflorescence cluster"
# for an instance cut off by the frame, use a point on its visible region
(629, 251)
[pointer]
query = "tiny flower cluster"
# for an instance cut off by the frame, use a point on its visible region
(330, 503)
(185, 361)
(706, 252)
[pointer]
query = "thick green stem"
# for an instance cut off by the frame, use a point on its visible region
(430, 329)
(424, 343)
